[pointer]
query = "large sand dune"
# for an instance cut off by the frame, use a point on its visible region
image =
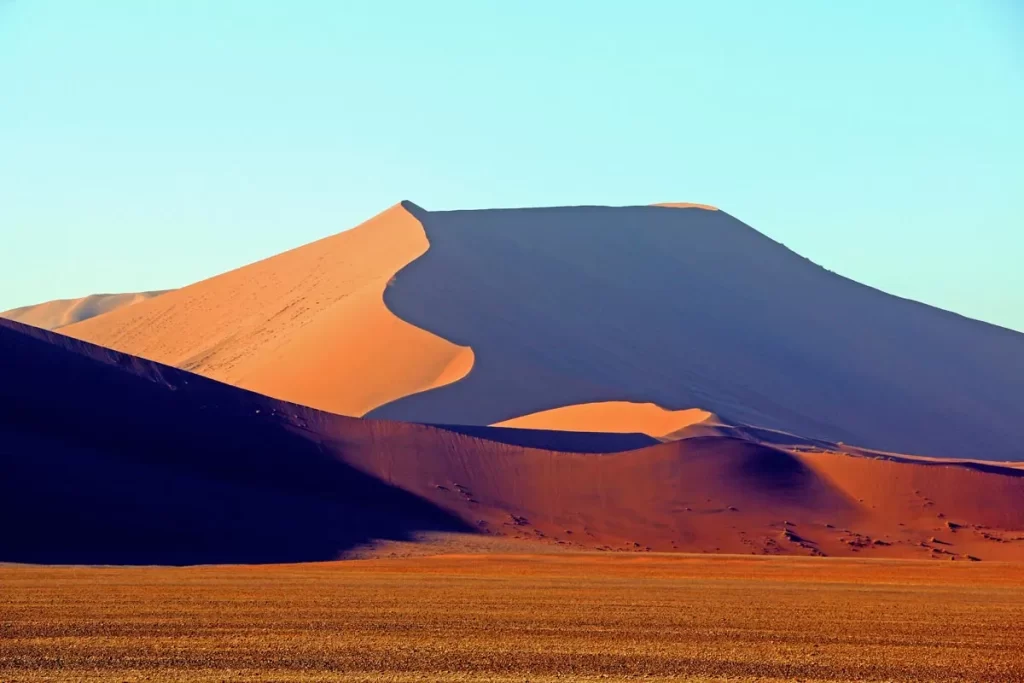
(690, 308)
(308, 325)
(52, 315)
(482, 317)
(112, 458)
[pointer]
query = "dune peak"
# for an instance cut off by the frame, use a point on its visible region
(686, 205)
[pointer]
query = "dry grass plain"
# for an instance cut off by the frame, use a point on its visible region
(534, 618)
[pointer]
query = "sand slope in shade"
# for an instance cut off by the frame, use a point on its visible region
(53, 315)
(307, 326)
(684, 308)
(109, 458)
(612, 416)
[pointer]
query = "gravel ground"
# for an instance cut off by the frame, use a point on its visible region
(518, 618)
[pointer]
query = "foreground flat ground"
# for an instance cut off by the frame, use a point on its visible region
(518, 618)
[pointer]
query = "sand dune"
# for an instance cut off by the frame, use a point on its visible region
(686, 205)
(112, 458)
(53, 315)
(686, 308)
(308, 325)
(481, 317)
(612, 416)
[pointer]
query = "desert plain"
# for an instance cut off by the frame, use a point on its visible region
(518, 617)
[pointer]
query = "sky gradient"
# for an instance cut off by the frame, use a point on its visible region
(147, 145)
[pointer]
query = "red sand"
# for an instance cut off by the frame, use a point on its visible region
(105, 447)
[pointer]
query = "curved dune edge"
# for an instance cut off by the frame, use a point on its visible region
(622, 417)
(686, 205)
(308, 326)
(216, 474)
(52, 315)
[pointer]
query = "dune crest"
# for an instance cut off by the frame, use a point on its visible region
(53, 315)
(612, 416)
(686, 205)
(309, 325)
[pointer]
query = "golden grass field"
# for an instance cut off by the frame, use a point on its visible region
(618, 617)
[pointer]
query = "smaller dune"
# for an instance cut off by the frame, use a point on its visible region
(53, 315)
(686, 205)
(621, 417)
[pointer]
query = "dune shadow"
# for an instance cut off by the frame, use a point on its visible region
(554, 440)
(108, 459)
(692, 308)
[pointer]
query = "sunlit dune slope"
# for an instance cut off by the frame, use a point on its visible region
(308, 325)
(109, 458)
(686, 307)
(52, 315)
(612, 416)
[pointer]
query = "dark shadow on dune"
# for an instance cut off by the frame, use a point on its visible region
(552, 440)
(692, 308)
(109, 459)
(767, 475)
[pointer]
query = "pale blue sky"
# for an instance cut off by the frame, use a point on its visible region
(147, 144)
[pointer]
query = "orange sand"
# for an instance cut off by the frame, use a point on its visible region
(53, 315)
(308, 325)
(612, 416)
(686, 205)
(88, 433)
(508, 619)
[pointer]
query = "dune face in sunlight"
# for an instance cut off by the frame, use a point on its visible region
(612, 416)
(488, 317)
(686, 205)
(307, 326)
(53, 315)
(110, 458)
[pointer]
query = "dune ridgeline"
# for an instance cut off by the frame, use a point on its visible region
(654, 320)
(53, 315)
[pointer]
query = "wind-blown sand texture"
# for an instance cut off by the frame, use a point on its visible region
(53, 315)
(494, 315)
(113, 459)
(307, 326)
(518, 618)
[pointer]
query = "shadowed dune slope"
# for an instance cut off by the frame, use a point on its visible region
(109, 458)
(685, 308)
(307, 326)
(52, 315)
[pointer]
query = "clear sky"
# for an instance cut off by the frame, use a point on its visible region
(147, 144)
